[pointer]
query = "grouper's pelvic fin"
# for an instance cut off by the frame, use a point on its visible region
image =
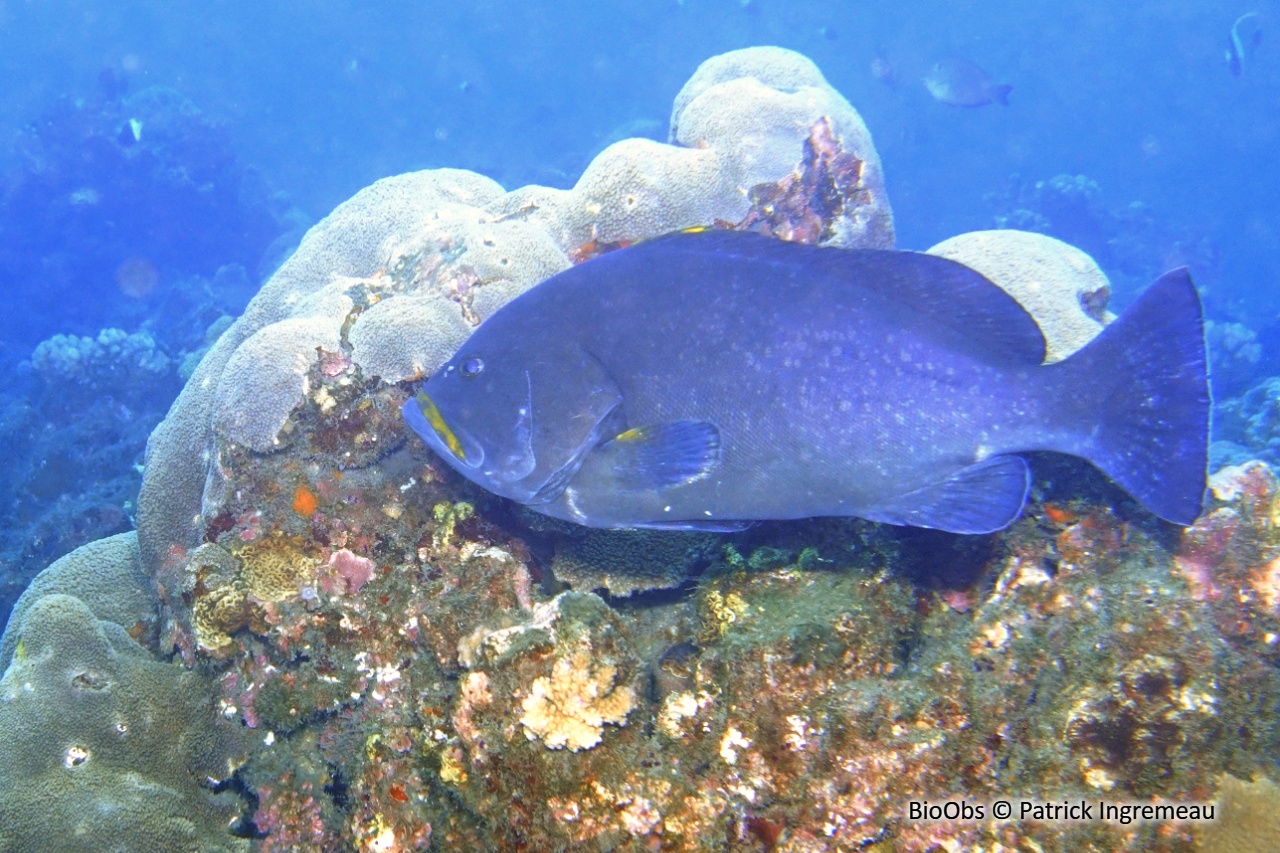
(1152, 430)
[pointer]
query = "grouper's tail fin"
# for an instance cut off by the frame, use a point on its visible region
(1152, 432)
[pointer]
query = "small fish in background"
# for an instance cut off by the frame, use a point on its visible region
(1238, 46)
(960, 83)
(883, 70)
(130, 133)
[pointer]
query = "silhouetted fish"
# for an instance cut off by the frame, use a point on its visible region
(1236, 43)
(700, 381)
(960, 83)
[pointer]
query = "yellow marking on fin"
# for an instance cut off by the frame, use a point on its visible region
(433, 416)
(695, 229)
(630, 436)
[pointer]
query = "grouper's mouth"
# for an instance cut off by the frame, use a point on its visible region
(511, 467)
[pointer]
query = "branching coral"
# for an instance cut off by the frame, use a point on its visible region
(570, 707)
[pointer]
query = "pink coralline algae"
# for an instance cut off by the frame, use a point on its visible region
(346, 573)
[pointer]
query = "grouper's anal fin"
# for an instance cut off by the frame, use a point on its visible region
(982, 498)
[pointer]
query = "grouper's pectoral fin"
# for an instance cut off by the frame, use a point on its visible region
(660, 456)
(982, 498)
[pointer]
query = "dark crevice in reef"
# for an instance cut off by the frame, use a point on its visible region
(337, 788)
(244, 826)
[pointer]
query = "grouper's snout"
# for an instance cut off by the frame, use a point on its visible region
(421, 414)
(506, 468)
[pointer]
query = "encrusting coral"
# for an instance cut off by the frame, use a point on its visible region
(570, 707)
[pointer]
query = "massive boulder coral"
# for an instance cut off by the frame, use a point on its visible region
(721, 107)
(106, 748)
(106, 576)
(1059, 285)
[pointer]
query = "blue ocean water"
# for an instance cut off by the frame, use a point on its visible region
(158, 159)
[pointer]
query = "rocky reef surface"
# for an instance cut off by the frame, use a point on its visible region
(337, 644)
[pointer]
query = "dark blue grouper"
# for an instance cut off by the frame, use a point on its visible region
(702, 381)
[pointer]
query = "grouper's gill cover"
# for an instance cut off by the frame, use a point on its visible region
(701, 381)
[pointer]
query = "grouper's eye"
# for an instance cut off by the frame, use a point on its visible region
(472, 367)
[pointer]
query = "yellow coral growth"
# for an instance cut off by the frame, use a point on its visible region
(1248, 819)
(569, 708)
(218, 614)
(276, 568)
(718, 613)
(448, 515)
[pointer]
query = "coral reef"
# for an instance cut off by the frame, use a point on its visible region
(1128, 242)
(76, 439)
(1252, 421)
(617, 562)
(115, 359)
(624, 562)
(74, 448)
(719, 109)
(121, 196)
(124, 211)
(452, 246)
(413, 672)
(1235, 352)
(1059, 285)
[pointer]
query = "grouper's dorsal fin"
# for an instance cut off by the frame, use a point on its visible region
(957, 297)
(988, 321)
